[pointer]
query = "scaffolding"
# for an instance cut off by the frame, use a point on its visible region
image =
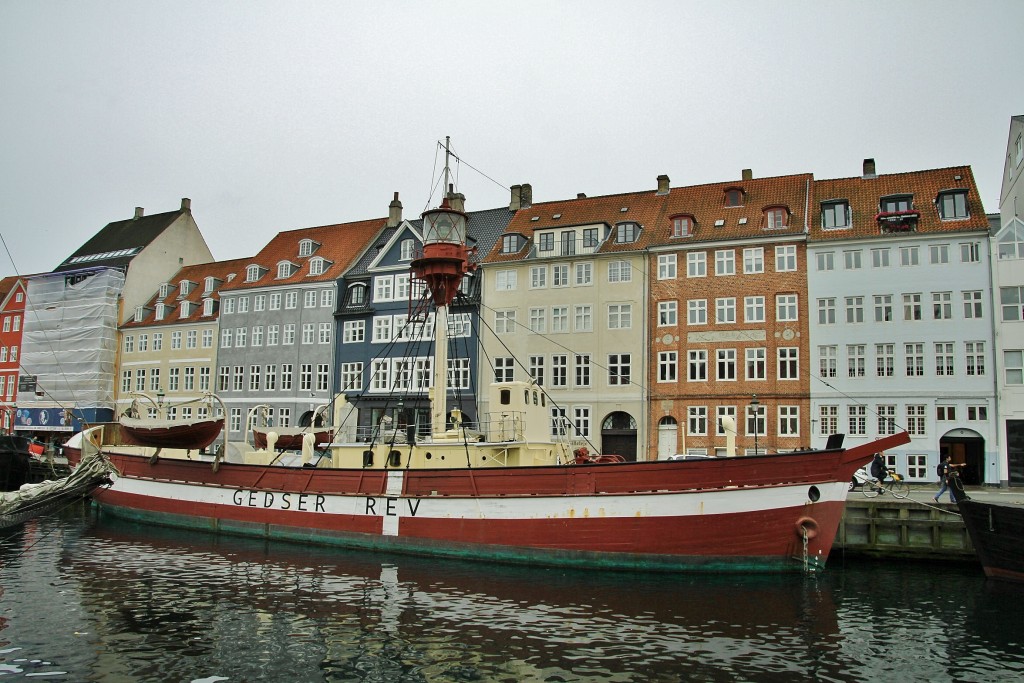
(69, 342)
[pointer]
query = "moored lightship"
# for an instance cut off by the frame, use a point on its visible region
(503, 490)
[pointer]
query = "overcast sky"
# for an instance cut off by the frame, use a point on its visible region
(278, 115)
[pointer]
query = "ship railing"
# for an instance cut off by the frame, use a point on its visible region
(385, 433)
(504, 426)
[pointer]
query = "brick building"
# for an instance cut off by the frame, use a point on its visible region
(728, 317)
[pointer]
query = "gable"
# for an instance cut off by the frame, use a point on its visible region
(390, 254)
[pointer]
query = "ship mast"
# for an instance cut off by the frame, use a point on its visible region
(441, 266)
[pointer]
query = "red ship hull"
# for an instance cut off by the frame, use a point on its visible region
(754, 513)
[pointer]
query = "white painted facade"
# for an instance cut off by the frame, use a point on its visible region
(1008, 287)
(907, 343)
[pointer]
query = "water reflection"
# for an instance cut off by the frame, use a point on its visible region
(154, 604)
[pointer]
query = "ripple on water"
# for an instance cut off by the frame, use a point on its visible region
(95, 599)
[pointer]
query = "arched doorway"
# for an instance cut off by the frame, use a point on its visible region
(618, 435)
(307, 419)
(968, 447)
(668, 437)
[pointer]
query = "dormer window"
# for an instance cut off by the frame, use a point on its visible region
(682, 226)
(184, 287)
(734, 197)
(407, 249)
(285, 269)
(318, 265)
(627, 232)
(208, 307)
(186, 309)
(161, 311)
(776, 217)
(902, 202)
(357, 296)
(253, 273)
(510, 244)
(165, 289)
(140, 313)
(209, 284)
(897, 214)
(835, 215)
(307, 247)
(952, 205)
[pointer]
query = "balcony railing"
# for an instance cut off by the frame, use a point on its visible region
(890, 222)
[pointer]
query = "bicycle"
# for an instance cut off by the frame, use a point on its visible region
(895, 484)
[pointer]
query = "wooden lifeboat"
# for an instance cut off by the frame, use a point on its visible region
(290, 438)
(189, 435)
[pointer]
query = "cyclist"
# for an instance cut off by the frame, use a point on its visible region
(878, 470)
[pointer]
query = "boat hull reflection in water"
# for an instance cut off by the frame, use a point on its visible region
(146, 604)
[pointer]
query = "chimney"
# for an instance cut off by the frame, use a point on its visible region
(457, 201)
(139, 211)
(394, 212)
(747, 174)
(514, 203)
(869, 168)
(581, 195)
(662, 184)
(186, 204)
(526, 195)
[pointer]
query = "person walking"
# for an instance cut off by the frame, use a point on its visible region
(946, 470)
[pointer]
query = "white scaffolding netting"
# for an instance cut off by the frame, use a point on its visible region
(70, 337)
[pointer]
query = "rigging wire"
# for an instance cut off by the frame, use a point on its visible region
(434, 181)
(550, 398)
(49, 343)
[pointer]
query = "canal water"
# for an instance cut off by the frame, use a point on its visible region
(84, 598)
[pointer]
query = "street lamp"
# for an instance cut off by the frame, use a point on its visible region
(755, 406)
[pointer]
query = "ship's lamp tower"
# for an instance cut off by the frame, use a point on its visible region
(442, 265)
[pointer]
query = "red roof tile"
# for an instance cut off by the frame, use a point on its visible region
(340, 245)
(705, 203)
(221, 270)
(864, 194)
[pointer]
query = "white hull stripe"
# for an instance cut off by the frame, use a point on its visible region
(697, 503)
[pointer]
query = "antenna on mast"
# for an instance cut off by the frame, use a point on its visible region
(447, 154)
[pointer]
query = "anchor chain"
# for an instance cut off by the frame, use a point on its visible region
(804, 534)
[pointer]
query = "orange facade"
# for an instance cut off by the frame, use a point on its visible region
(728, 320)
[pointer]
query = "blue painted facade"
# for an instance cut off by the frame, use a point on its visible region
(385, 345)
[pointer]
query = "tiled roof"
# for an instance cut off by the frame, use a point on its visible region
(640, 207)
(362, 266)
(706, 204)
(7, 284)
(340, 245)
(119, 242)
(221, 270)
(483, 228)
(486, 228)
(863, 195)
(653, 211)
